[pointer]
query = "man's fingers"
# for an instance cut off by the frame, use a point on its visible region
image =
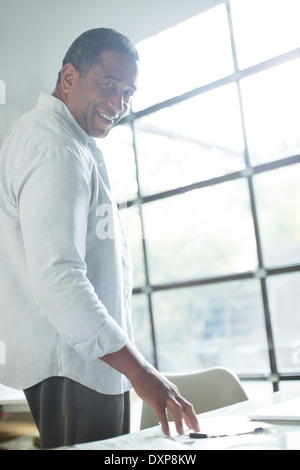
(189, 416)
(181, 410)
(162, 395)
(163, 420)
(176, 411)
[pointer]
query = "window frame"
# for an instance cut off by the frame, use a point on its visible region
(263, 273)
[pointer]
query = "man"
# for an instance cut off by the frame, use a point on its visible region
(65, 274)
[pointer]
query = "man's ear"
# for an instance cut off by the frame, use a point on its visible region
(68, 77)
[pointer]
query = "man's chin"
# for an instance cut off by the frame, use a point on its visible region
(100, 134)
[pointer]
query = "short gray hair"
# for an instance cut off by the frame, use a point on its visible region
(86, 50)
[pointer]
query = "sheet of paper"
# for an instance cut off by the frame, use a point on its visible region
(136, 441)
(219, 426)
(230, 425)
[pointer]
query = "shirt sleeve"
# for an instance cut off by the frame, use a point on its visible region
(54, 195)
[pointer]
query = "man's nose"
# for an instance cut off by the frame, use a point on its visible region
(117, 103)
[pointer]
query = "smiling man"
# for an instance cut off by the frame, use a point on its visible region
(99, 98)
(65, 286)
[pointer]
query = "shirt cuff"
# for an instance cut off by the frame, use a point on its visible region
(110, 338)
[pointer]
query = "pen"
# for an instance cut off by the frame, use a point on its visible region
(198, 435)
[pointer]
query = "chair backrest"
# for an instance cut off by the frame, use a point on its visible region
(207, 390)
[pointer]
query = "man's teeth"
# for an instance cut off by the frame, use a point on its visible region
(105, 116)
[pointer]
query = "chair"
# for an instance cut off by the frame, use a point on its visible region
(207, 390)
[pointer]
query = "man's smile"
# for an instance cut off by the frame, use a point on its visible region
(109, 119)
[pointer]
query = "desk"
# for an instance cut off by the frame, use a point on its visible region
(281, 436)
(12, 400)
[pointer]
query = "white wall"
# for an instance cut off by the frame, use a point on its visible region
(35, 34)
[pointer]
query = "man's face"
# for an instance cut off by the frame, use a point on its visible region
(100, 99)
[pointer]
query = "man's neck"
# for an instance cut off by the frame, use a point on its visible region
(59, 94)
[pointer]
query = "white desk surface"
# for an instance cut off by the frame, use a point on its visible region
(12, 400)
(280, 436)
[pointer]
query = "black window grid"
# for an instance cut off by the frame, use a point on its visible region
(263, 272)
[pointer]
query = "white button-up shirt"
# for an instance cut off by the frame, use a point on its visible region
(65, 270)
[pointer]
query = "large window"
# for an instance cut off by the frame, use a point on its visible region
(206, 170)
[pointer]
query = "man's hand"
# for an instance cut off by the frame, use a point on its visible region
(154, 389)
(161, 395)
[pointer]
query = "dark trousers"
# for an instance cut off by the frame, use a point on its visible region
(67, 413)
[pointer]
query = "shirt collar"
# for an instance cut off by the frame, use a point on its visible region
(56, 105)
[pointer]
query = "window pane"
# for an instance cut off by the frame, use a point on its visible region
(202, 233)
(285, 307)
(195, 140)
(131, 223)
(264, 28)
(142, 326)
(257, 388)
(278, 203)
(271, 102)
(289, 384)
(201, 327)
(195, 52)
(117, 149)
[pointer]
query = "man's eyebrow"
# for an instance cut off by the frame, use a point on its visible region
(112, 77)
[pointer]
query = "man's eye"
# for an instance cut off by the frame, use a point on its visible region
(108, 84)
